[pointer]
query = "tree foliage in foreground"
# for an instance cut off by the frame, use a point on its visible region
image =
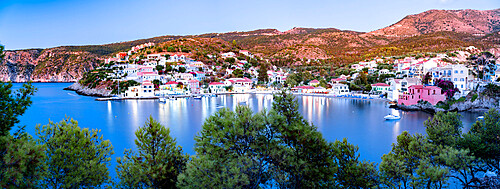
(272, 149)
(446, 152)
(75, 157)
(21, 163)
(21, 158)
(13, 104)
(157, 163)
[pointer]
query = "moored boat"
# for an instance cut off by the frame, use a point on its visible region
(392, 117)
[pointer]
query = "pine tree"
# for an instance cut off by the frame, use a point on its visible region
(157, 163)
(75, 157)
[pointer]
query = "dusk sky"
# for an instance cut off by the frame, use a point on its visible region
(50, 23)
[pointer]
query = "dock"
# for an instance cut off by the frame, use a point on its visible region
(128, 98)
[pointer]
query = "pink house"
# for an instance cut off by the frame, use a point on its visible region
(143, 70)
(194, 86)
(416, 93)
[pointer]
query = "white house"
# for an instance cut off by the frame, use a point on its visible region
(456, 73)
(339, 89)
(183, 76)
(239, 84)
(147, 89)
(409, 81)
(217, 87)
(228, 55)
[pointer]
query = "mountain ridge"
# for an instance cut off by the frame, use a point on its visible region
(432, 30)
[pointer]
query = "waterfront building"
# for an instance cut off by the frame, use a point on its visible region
(303, 89)
(132, 91)
(416, 93)
(240, 85)
(409, 81)
(339, 89)
(394, 90)
(380, 87)
(147, 89)
(456, 73)
(217, 87)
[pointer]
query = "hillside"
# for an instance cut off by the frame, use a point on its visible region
(475, 22)
(430, 31)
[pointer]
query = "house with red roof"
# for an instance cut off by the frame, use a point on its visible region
(337, 80)
(417, 93)
(380, 87)
(314, 83)
(303, 89)
(216, 87)
(147, 89)
(122, 56)
(240, 85)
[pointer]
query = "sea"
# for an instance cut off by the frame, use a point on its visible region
(361, 121)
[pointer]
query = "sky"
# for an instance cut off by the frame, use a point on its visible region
(49, 23)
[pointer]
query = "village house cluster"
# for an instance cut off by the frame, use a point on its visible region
(412, 81)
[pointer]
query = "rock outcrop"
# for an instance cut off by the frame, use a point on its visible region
(480, 104)
(425, 107)
(82, 90)
(48, 65)
(476, 22)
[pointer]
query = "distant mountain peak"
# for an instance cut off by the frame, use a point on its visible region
(476, 22)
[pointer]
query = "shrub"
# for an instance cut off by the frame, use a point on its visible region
(474, 97)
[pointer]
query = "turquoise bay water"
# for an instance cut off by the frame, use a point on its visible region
(360, 121)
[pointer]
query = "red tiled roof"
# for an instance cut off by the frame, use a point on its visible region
(171, 82)
(314, 81)
(304, 87)
(380, 85)
(216, 83)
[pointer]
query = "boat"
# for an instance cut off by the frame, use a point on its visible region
(392, 117)
(163, 99)
(219, 107)
(197, 97)
(480, 117)
(116, 98)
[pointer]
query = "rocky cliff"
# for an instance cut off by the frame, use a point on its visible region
(48, 65)
(475, 22)
(82, 90)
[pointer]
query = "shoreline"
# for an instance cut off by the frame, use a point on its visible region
(105, 95)
(85, 91)
(40, 82)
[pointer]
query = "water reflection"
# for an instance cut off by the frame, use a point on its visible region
(361, 121)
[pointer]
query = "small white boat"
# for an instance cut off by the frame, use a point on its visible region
(480, 117)
(163, 99)
(197, 97)
(219, 107)
(392, 117)
(115, 98)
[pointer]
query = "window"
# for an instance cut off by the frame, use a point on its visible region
(461, 71)
(462, 79)
(462, 86)
(456, 71)
(455, 79)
